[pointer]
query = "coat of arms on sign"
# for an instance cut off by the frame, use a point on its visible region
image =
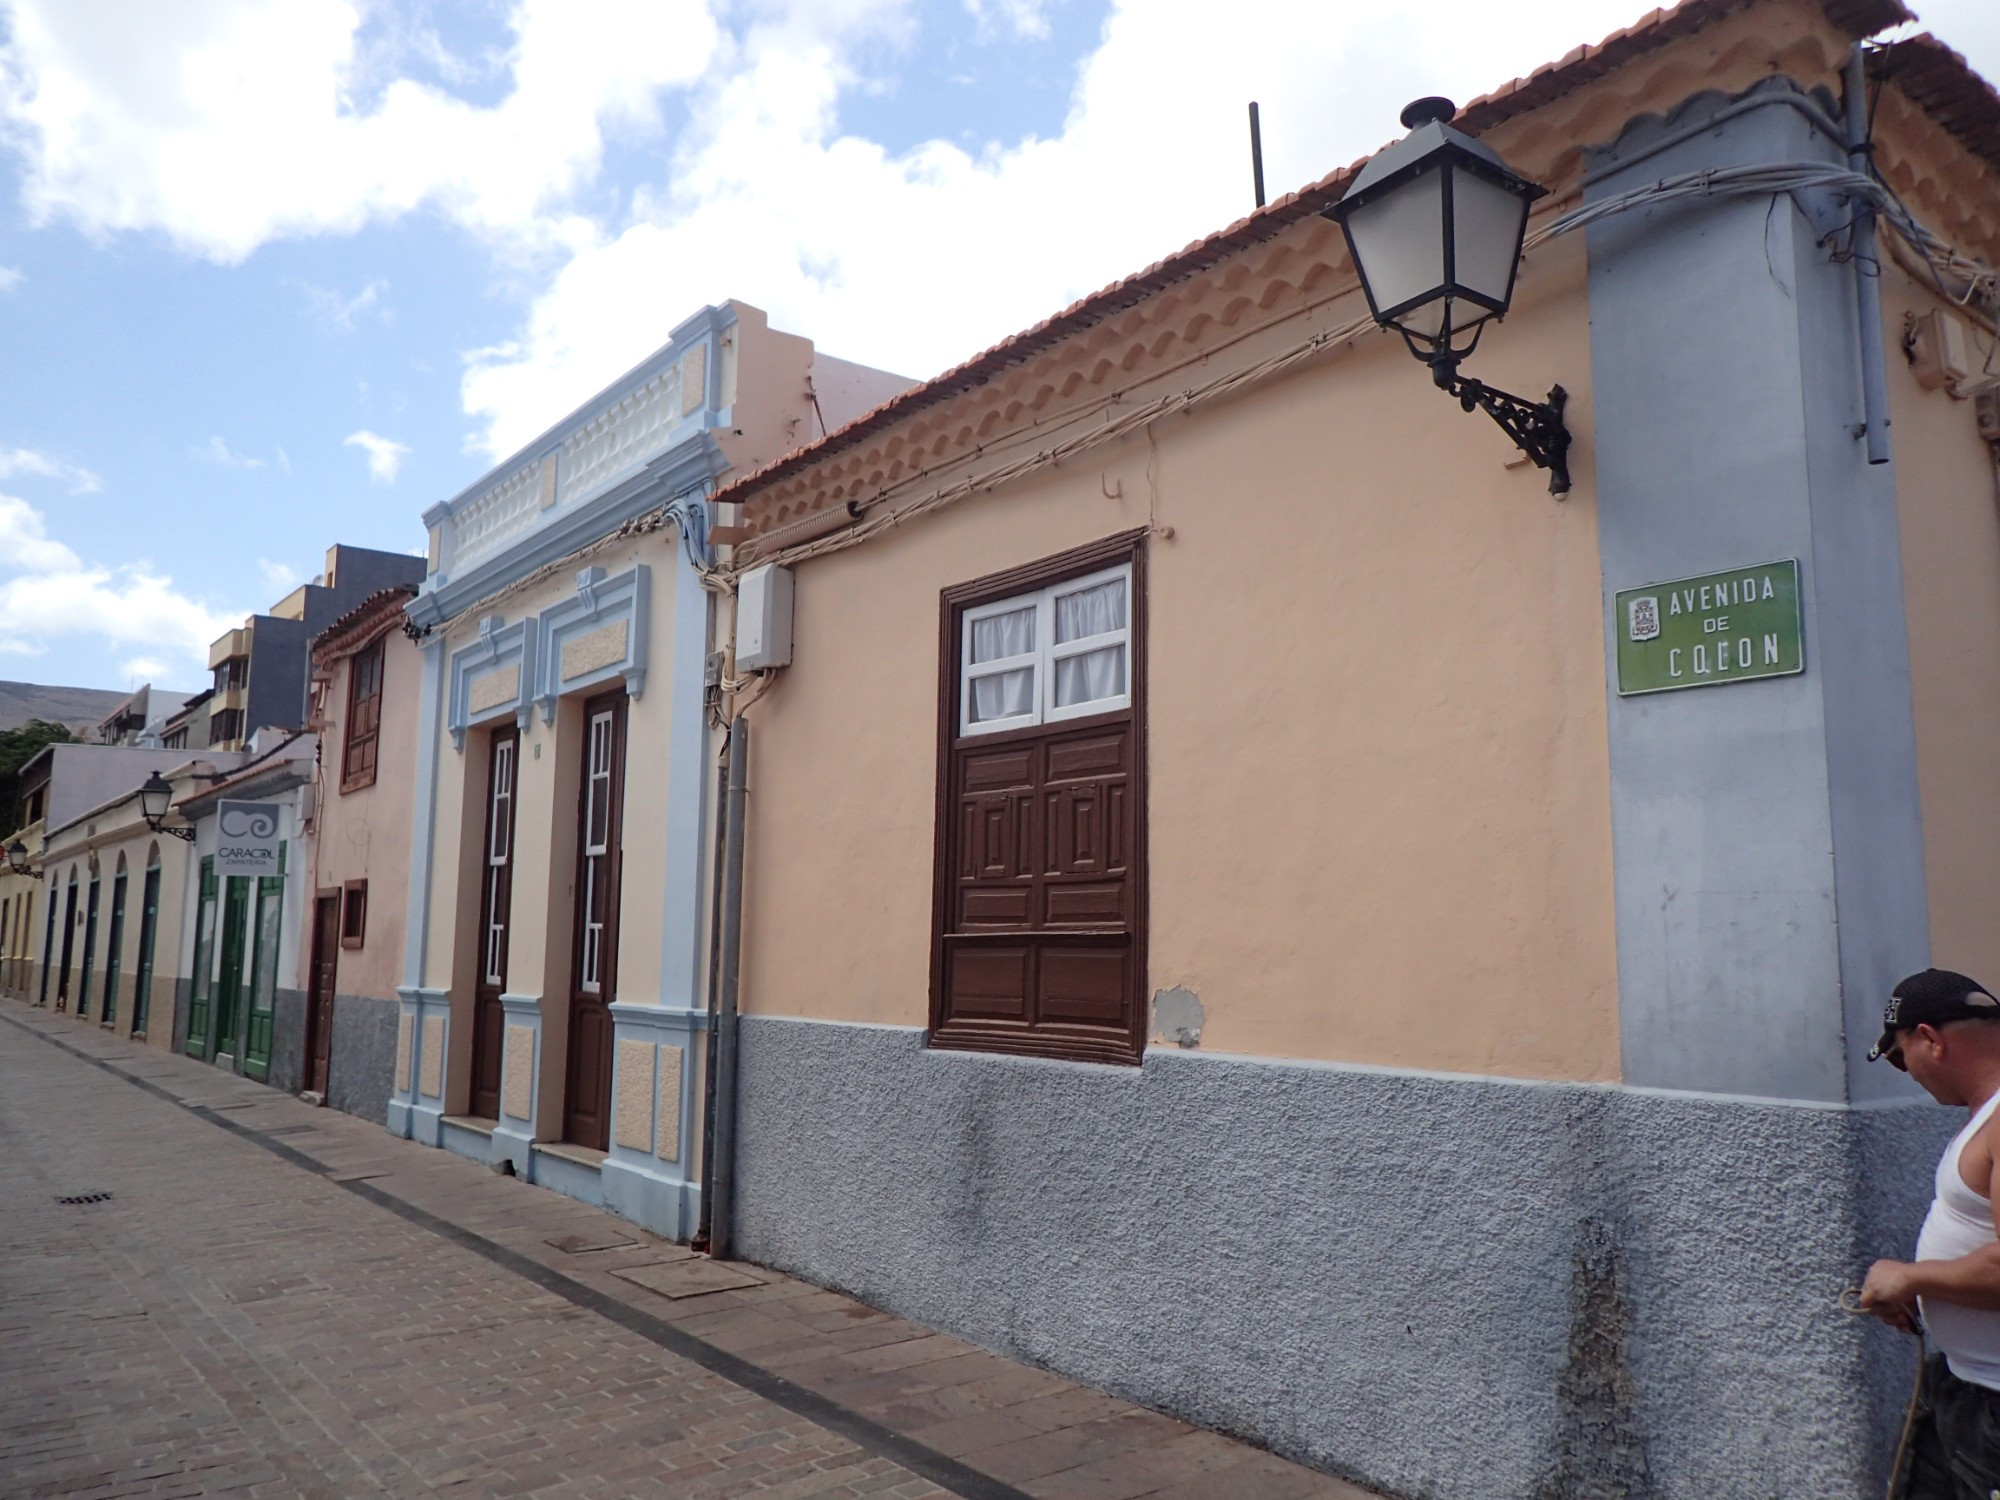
(1644, 617)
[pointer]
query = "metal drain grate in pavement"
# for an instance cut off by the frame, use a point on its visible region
(86, 1198)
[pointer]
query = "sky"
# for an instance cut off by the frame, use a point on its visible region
(276, 274)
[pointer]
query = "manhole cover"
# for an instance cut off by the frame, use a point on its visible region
(688, 1278)
(86, 1198)
(583, 1244)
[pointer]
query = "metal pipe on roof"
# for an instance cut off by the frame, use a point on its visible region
(1867, 262)
(1256, 155)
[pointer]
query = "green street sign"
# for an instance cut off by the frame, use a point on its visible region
(1718, 627)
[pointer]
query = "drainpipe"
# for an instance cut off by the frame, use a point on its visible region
(1867, 268)
(700, 1240)
(722, 1154)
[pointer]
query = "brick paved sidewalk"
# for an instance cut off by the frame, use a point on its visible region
(279, 1300)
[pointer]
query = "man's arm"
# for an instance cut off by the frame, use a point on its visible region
(1893, 1286)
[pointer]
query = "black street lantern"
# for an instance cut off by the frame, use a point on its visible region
(17, 857)
(1434, 224)
(155, 797)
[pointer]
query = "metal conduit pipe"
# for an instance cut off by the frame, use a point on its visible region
(1866, 259)
(722, 1145)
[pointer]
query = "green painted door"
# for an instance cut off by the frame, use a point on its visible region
(264, 971)
(114, 949)
(229, 983)
(149, 935)
(89, 953)
(201, 989)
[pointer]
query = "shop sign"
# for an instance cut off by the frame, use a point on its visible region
(1718, 627)
(247, 841)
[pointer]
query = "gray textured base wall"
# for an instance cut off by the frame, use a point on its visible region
(288, 1041)
(360, 1069)
(182, 995)
(1440, 1287)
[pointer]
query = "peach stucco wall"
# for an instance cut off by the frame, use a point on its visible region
(1379, 796)
(118, 834)
(1950, 530)
(365, 834)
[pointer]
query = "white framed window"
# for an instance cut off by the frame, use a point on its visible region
(1063, 652)
(597, 849)
(499, 834)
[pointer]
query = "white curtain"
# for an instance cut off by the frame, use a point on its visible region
(1090, 675)
(1091, 611)
(997, 636)
(1002, 695)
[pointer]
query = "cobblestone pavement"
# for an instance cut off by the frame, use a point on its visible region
(281, 1300)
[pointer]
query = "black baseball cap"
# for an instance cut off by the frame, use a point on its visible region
(1930, 999)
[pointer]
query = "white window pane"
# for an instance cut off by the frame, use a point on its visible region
(1011, 634)
(1089, 676)
(1091, 611)
(1003, 695)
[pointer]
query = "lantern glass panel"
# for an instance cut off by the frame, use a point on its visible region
(1399, 241)
(153, 799)
(1487, 224)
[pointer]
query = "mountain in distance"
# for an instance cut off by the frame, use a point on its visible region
(79, 708)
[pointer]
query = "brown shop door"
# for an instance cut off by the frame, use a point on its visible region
(319, 999)
(594, 963)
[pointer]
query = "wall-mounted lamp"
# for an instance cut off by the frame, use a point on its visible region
(154, 799)
(1435, 225)
(17, 857)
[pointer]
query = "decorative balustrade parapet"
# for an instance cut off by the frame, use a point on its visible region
(619, 433)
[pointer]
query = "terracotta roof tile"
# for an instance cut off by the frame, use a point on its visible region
(1942, 84)
(362, 618)
(1583, 65)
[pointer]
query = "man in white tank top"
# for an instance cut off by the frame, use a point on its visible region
(1944, 1031)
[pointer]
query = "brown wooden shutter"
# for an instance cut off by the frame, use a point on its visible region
(1039, 941)
(364, 717)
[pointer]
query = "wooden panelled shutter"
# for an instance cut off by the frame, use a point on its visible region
(1039, 939)
(364, 717)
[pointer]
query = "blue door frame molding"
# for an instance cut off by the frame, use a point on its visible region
(479, 676)
(587, 624)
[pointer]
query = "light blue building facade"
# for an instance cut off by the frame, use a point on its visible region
(554, 1004)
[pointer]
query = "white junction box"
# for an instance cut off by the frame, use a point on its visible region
(764, 619)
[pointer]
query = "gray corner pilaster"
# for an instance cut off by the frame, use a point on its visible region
(423, 833)
(1767, 835)
(689, 778)
(520, 1088)
(651, 1175)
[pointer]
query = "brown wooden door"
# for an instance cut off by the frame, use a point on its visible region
(319, 998)
(594, 960)
(489, 1027)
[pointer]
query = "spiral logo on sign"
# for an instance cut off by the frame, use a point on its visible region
(241, 823)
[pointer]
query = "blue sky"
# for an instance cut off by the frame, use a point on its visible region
(280, 273)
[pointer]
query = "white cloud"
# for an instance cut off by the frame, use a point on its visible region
(231, 122)
(385, 458)
(216, 451)
(26, 461)
(53, 592)
(1022, 17)
(338, 313)
(25, 543)
(140, 669)
(279, 578)
(11, 277)
(915, 261)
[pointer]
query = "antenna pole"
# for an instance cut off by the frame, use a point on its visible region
(1256, 154)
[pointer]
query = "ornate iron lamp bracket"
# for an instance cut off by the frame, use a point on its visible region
(1535, 426)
